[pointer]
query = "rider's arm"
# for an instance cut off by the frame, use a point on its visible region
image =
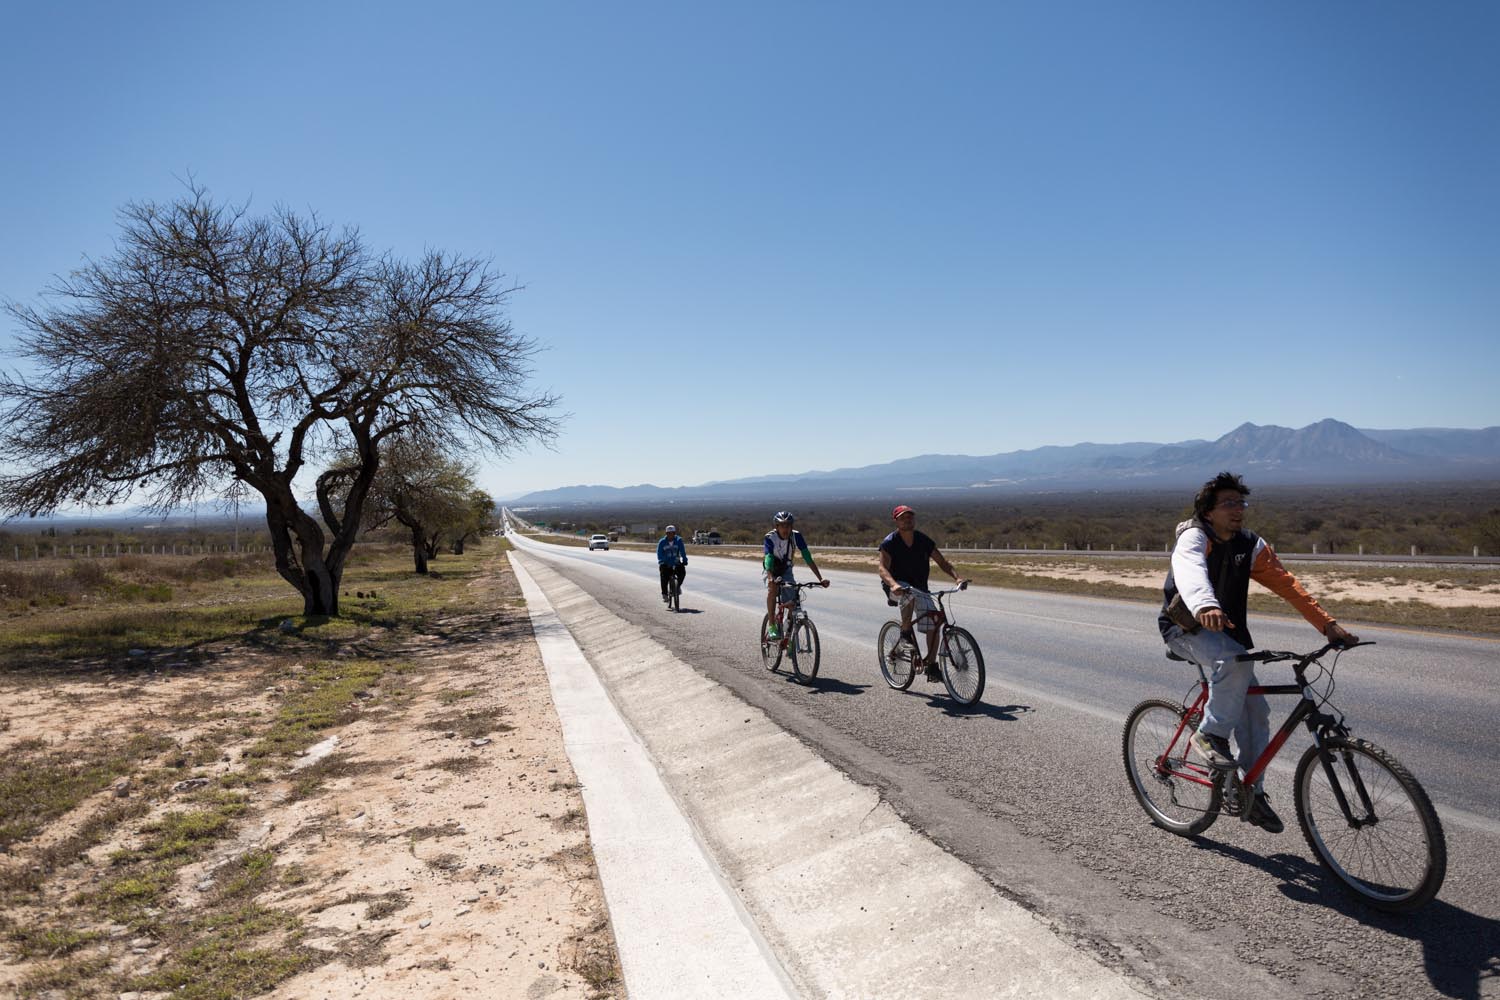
(943, 563)
(885, 571)
(1266, 570)
(807, 555)
(1190, 571)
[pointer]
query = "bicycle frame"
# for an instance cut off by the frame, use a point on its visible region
(1306, 711)
(794, 606)
(941, 617)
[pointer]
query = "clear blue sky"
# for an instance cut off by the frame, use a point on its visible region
(771, 237)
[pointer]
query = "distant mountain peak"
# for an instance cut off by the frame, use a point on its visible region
(1327, 451)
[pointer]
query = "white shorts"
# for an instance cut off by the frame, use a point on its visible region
(920, 603)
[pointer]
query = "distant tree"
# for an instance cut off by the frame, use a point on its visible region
(416, 486)
(1487, 531)
(213, 346)
(481, 517)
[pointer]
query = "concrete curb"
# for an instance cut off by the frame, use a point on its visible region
(854, 902)
(681, 932)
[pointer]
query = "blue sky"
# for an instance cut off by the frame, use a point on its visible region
(773, 237)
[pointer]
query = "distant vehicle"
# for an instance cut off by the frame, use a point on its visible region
(598, 542)
(707, 538)
(614, 536)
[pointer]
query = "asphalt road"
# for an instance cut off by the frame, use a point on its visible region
(1030, 790)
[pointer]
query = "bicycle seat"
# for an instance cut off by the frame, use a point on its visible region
(1180, 659)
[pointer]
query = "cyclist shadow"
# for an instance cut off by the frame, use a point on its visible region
(830, 685)
(690, 611)
(984, 710)
(1460, 949)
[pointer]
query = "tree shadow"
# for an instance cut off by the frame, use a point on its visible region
(387, 637)
(1460, 949)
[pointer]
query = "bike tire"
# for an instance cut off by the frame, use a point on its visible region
(805, 650)
(963, 667)
(1397, 863)
(898, 671)
(675, 596)
(770, 649)
(1173, 802)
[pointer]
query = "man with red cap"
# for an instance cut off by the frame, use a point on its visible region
(904, 566)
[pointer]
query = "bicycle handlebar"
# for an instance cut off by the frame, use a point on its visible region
(1279, 655)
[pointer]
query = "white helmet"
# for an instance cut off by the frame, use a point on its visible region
(671, 529)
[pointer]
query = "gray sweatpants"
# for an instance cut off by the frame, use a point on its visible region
(1230, 712)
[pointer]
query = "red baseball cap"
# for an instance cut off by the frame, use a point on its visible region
(903, 509)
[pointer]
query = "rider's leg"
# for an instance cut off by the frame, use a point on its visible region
(1253, 732)
(932, 641)
(771, 598)
(1228, 678)
(664, 569)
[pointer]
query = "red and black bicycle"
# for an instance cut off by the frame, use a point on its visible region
(1365, 817)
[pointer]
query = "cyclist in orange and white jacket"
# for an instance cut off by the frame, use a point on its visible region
(1213, 562)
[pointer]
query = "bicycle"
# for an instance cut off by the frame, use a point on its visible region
(1365, 817)
(674, 589)
(958, 654)
(797, 635)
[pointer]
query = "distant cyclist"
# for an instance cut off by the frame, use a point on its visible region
(904, 567)
(781, 540)
(1212, 565)
(671, 557)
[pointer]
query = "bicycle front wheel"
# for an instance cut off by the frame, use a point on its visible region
(676, 595)
(770, 649)
(1387, 846)
(1179, 793)
(963, 666)
(805, 650)
(897, 668)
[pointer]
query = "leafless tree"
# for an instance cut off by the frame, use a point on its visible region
(213, 345)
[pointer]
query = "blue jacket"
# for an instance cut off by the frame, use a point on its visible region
(670, 551)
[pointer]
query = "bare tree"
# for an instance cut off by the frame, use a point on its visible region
(213, 345)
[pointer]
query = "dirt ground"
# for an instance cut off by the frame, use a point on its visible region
(434, 845)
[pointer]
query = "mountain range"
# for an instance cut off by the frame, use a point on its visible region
(1327, 452)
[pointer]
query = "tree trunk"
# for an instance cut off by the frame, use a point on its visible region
(458, 546)
(419, 549)
(298, 544)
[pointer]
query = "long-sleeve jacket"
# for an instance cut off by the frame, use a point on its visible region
(1216, 573)
(670, 551)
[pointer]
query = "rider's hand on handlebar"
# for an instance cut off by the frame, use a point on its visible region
(963, 584)
(825, 582)
(1214, 620)
(898, 591)
(1337, 634)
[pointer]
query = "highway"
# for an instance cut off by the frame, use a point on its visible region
(1030, 791)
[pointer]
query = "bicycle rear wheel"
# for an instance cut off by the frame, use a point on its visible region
(770, 649)
(898, 670)
(1391, 853)
(805, 650)
(1178, 793)
(675, 595)
(963, 667)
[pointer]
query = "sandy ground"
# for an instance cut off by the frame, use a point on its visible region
(434, 863)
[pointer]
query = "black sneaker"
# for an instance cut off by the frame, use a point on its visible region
(933, 673)
(1214, 749)
(1263, 816)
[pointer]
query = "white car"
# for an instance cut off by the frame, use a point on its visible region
(598, 542)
